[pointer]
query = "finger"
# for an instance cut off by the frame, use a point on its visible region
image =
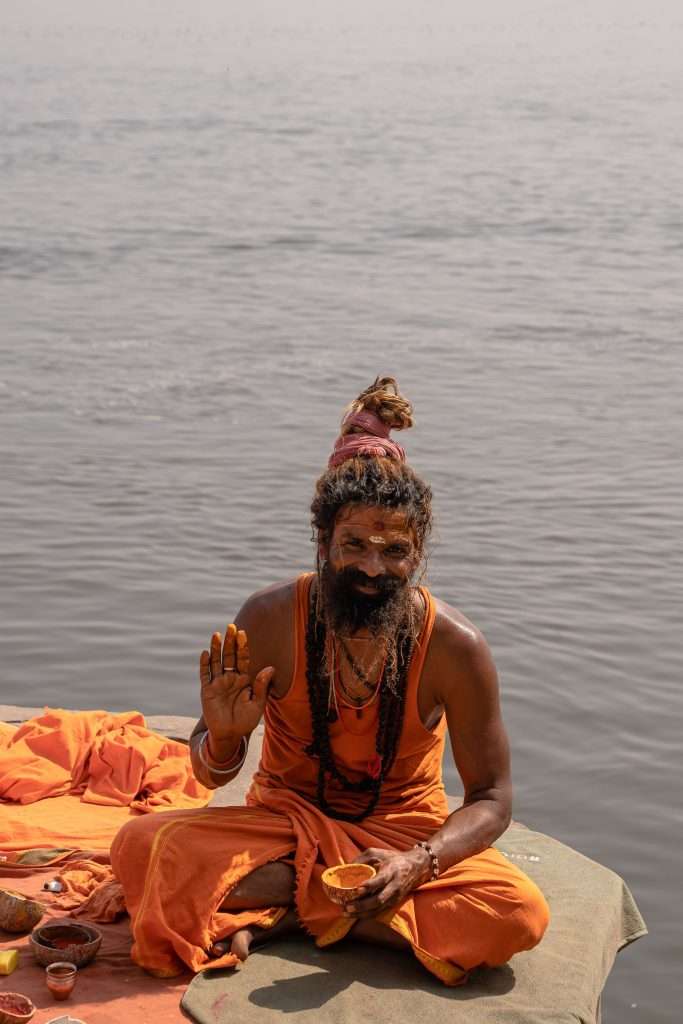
(371, 856)
(374, 885)
(229, 649)
(241, 689)
(261, 684)
(389, 895)
(216, 668)
(204, 668)
(242, 653)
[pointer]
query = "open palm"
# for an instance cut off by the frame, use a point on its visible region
(232, 704)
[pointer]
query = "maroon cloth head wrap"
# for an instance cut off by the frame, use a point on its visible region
(374, 442)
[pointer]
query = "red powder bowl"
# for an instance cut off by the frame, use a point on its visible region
(59, 941)
(15, 1008)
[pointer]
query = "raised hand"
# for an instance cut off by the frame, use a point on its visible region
(232, 705)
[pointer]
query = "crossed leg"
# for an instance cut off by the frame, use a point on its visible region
(273, 886)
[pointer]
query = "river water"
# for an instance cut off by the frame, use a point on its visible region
(220, 223)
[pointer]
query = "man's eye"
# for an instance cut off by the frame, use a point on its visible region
(353, 543)
(394, 550)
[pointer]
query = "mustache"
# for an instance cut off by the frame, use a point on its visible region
(386, 584)
(350, 609)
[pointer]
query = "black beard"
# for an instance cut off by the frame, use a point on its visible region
(349, 610)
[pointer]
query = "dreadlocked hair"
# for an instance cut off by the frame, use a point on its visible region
(377, 482)
(380, 483)
(367, 480)
(392, 701)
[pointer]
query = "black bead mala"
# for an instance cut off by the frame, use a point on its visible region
(392, 699)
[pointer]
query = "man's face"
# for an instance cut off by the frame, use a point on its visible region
(370, 558)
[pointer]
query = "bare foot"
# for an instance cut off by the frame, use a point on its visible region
(241, 942)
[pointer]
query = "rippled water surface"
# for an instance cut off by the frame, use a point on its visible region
(218, 224)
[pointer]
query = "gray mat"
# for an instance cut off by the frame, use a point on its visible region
(593, 916)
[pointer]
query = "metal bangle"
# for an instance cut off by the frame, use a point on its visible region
(244, 745)
(434, 859)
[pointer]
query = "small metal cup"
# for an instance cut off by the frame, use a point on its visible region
(61, 978)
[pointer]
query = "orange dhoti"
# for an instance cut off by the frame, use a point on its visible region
(176, 868)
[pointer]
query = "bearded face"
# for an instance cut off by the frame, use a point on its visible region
(351, 608)
(367, 575)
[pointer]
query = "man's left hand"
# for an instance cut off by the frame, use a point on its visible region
(397, 875)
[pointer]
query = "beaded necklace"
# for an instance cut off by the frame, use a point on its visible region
(389, 721)
(358, 703)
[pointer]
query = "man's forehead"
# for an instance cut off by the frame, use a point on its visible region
(368, 517)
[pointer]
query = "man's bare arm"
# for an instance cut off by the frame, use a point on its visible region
(480, 749)
(469, 693)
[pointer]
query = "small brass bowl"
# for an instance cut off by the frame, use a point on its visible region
(76, 943)
(60, 978)
(342, 882)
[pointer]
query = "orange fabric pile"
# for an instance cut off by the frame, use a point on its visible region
(90, 890)
(72, 778)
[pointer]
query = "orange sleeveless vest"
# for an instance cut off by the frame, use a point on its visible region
(414, 782)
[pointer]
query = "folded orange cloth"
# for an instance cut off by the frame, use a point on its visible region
(81, 758)
(91, 890)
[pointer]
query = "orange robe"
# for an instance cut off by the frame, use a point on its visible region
(176, 867)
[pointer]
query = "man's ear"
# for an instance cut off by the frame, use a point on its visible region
(323, 550)
(418, 558)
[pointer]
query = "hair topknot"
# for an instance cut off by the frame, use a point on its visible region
(369, 479)
(386, 401)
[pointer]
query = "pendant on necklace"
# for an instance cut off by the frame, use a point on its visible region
(359, 712)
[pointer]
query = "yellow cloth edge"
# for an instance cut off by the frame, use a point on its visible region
(446, 972)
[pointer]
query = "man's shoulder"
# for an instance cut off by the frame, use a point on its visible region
(268, 618)
(454, 634)
(451, 624)
(271, 600)
(459, 660)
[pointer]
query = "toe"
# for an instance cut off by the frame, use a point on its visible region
(240, 944)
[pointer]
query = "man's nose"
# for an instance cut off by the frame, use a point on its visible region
(372, 564)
